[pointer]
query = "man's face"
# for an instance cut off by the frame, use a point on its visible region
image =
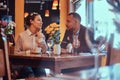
(70, 22)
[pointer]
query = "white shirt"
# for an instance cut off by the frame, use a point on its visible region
(27, 41)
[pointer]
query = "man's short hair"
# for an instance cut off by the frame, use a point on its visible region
(76, 16)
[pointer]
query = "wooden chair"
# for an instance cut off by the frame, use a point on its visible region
(113, 55)
(4, 66)
(110, 44)
(4, 56)
(2, 63)
(4, 60)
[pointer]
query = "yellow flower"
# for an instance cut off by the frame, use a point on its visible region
(52, 27)
(53, 30)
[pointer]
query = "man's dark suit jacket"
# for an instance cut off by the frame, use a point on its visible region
(68, 38)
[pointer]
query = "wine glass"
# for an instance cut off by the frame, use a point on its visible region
(76, 44)
(50, 44)
(98, 49)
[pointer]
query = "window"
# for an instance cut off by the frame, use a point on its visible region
(103, 17)
(82, 11)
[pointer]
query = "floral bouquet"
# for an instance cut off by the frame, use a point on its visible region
(7, 28)
(53, 30)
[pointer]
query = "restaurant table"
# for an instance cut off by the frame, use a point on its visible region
(54, 63)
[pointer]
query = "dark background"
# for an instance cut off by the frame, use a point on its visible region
(10, 10)
(33, 7)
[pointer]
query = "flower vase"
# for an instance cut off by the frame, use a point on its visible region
(57, 49)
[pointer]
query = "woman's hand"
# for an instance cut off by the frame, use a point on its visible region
(41, 41)
(40, 35)
(43, 46)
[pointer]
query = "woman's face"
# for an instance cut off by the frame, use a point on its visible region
(37, 22)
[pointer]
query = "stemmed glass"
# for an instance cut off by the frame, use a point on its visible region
(50, 44)
(97, 49)
(76, 44)
(99, 43)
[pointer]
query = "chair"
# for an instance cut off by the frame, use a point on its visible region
(113, 55)
(2, 63)
(4, 60)
(110, 44)
(4, 66)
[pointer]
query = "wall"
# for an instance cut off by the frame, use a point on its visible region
(63, 14)
(19, 17)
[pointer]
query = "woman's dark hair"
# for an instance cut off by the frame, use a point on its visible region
(31, 16)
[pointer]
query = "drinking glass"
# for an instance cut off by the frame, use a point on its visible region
(97, 49)
(50, 44)
(76, 44)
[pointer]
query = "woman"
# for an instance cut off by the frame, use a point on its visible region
(29, 40)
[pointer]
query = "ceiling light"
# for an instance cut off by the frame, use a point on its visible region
(54, 7)
(26, 14)
(46, 13)
(55, 3)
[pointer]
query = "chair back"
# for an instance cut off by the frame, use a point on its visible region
(113, 55)
(5, 65)
(109, 53)
(2, 64)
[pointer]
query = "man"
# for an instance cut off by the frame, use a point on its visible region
(75, 28)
